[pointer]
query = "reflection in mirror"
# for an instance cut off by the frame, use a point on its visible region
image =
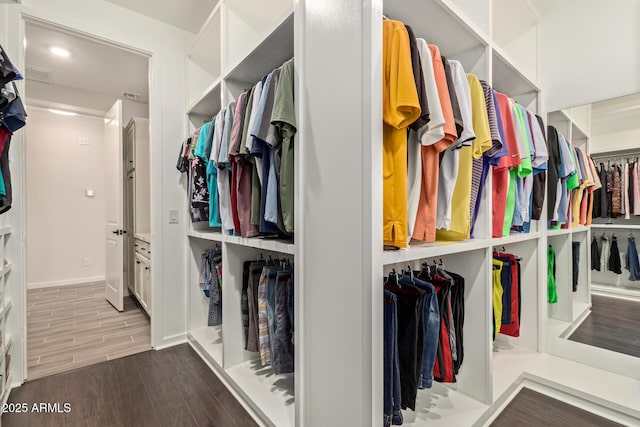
(593, 217)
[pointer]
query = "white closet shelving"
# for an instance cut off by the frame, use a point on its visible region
(253, 39)
(489, 369)
(572, 307)
(240, 42)
(9, 320)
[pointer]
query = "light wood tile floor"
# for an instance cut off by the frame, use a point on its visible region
(69, 327)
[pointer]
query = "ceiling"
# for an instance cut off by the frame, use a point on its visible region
(188, 15)
(92, 66)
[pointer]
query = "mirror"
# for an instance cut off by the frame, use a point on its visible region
(594, 270)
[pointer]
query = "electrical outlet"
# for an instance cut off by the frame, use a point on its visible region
(86, 262)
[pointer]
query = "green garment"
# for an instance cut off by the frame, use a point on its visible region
(552, 293)
(511, 203)
(573, 181)
(524, 169)
(283, 117)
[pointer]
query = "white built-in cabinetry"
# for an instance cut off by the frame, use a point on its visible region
(137, 215)
(9, 319)
(338, 250)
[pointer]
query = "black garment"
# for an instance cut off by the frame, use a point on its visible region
(255, 270)
(7, 70)
(614, 257)
(595, 254)
(604, 203)
(575, 247)
(631, 188)
(457, 308)
(418, 76)
(5, 204)
(408, 299)
(552, 170)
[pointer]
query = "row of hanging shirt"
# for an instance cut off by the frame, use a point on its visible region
(573, 181)
(12, 118)
(267, 305)
(423, 334)
(444, 131)
(241, 164)
(605, 255)
(620, 192)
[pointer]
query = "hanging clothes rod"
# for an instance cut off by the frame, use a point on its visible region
(621, 156)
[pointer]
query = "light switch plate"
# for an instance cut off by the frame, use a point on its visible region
(89, 192)
(84, 140)
(173, 216)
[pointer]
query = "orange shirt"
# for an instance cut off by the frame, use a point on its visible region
(401, 107)
(425, 226)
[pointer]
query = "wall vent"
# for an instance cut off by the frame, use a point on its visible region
(132, 96)
(38, 74)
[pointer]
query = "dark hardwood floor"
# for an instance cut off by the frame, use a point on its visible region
(532, 409)
(614, 324)
(171, 387)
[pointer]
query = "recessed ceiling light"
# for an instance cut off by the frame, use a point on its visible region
(58, 51)
(62, 112)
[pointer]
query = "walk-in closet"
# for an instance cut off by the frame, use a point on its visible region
(398, 212)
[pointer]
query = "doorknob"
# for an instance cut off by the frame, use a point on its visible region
(119, 232)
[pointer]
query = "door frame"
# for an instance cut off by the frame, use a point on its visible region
(154, 120)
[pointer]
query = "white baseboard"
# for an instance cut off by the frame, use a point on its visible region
(67, 282)
(171, 341)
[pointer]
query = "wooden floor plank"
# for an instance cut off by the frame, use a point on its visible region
(164, 388)
(613, 324)
(72, 326)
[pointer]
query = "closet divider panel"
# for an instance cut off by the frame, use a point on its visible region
(563, 309)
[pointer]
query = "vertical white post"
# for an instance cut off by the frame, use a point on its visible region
(339, 238)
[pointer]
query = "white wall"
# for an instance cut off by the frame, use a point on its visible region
(64, 226)
(84, 99)
(168, 46)
(590, 50)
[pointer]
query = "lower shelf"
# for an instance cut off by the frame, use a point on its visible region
(268, 396)
(508, 365)
(273, 394)
(210, 339)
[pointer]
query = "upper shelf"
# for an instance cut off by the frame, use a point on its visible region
(270, 53)
(209, 102)
(420, 251)
(509, 79)
(512, 17)
(437, 23)
(205, 50)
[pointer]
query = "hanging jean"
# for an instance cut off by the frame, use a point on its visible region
(631, 260)
(215, 302)
(614, 258)
(431, 315)
(552, 293)
(392, 398)
(283, 353)
(575, 253)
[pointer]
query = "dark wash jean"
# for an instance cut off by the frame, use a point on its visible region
(431, 329)
(283, 357)
(392, 398)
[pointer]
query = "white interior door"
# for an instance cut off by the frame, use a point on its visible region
(114, 285)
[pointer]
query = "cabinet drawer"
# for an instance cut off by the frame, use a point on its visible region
(142, 248)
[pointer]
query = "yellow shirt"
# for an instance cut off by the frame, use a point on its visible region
(460, 227)
(401, 107)
(497, 296)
